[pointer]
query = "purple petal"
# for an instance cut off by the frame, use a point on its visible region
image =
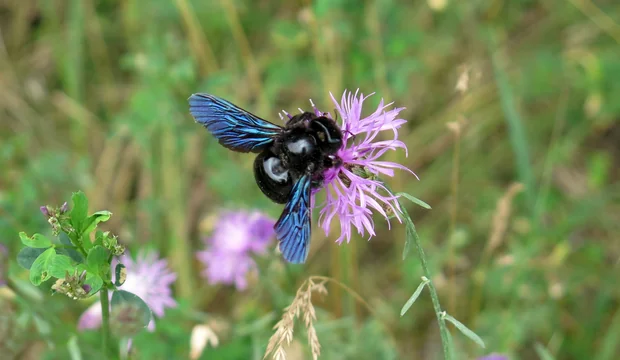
(494, 356)
(45, 211)
(355, 202)
(91, 318)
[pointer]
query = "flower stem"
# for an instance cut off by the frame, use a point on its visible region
(443, 330)
(105, 320)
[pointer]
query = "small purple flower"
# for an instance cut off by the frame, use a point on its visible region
(493, 356)
(353, 187)
(149, 278)
(45, 211)
(236, 237)
(64, 208)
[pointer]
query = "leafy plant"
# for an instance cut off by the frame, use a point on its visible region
(81, 266)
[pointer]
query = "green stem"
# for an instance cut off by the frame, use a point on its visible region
(105, 320)
(443, 330)
(76, 243)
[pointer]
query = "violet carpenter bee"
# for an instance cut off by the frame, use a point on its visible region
(290, 163)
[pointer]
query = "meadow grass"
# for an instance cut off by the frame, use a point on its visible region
(519, 163)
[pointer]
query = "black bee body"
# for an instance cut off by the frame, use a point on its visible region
(306, 146)
(290, 163)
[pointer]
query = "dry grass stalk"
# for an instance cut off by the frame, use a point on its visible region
(502, 214)
(462, 84)
(300, 307)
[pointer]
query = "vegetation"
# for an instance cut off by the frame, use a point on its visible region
(513, 128)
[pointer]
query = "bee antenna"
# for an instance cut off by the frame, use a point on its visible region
(281, 117)
(300, 110)
(287, 114)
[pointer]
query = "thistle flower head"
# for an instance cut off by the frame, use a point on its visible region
(236, 237)
(147, 277)
(354, 190)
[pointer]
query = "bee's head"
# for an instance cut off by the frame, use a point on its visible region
(327, 133)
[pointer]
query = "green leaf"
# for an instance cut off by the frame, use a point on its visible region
(97, 259)
(27, 256)
(37, 241)
(414, 200)
(99, 236)
(542, 352)
(60, 265)
(69, 249)
(465, 330)
(94, 280)
(79, 212)
(413, 298)
(91, 222)
(39, 272)
(74, 348)
(122, 297)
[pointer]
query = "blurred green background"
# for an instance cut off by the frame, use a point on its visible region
(93, 97)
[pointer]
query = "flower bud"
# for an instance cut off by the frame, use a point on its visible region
(73, 286)
(46, 211)
(111, 243)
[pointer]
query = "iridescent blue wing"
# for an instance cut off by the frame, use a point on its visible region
(234, 127)
(293, 227)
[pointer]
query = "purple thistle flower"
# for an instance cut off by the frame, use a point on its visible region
(353, 188)
(148, 277)
(236, 237)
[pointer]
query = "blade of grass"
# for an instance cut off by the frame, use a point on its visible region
(542, 352)
(175, 198)
(598, 17)
(610, 343)
(243, 44)
(198, 40)
(516, 130)
(73, 71)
